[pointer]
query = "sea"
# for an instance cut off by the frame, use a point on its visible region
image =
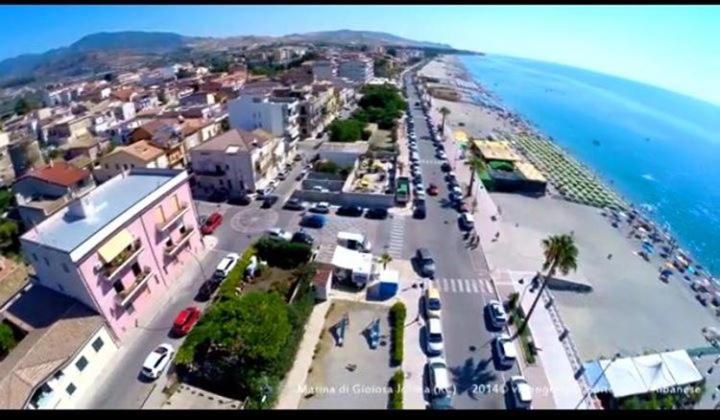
(659, 149)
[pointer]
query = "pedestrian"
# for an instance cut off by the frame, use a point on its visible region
(609, 257)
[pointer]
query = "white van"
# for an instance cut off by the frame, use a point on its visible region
(354, 241)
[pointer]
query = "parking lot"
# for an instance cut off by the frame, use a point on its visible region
(351, 376)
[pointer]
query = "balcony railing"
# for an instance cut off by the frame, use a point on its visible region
(172, 249)
(123, 259)
(124, 297)
(162, 226)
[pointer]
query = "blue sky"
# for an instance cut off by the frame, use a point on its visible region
(674, 47)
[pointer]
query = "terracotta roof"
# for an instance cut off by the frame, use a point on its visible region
(60, 173)
(54, 336)
(123, 94)
(141, 150)
(235, 137)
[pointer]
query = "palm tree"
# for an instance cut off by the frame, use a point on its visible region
(444, 112)
(385, 260)
(560, 254)
(476, 165)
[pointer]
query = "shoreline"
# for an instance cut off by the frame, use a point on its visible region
(511, 124)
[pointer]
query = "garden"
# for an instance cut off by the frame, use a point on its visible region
(380, 104)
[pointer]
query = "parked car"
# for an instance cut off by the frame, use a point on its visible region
(425, 262)
(281, 176)
(504, 350)
(496, 313)
(438, 381)
(433, 190)
(377, 213)
(432, 303)
(461, 206)
(279, 233)
(208, 288)
(419, 209)
(520, 392)
(314, 221)
(322, 207)
(225, 265)
(466, 221)
(318, 188)
(302, 174)
(294, 204)
(441, 155)
(212, 223)
(263, 192)
(242, 200)
(156, 362)
(352, 211)
(302, 237)
(269, 201)
(434, 337)
(445, 167)
(185, 320)
(298, 157)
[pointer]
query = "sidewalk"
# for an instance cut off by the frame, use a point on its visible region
(290, 394)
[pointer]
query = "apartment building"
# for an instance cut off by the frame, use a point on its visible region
(7, 172)
(46, 190)
(69, 128)
(237, 161)
(64, 348)
(119, 248)
(324, 69)
(357, 68)
(176, 136)
(124, 158)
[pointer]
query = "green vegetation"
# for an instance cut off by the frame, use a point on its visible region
(346, 130)
(330, 167)
(528, 348)
(7, 339)
(477, 166)
(281, 253)
(380, 104)
(6, 198)
(501, 165)
(24, 105)
(385, 259)
(682, 398)
(396, 394)
(244, 345)
(397, 335)
(9, 235)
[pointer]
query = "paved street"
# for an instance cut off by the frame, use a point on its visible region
(463, 282)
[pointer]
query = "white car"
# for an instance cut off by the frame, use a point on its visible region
(420, 191)
(318, 188)
(505, 350)
(438, 378)
(520, 392)
(433, 306)
(279, 233)
(226, 264)
(157, 361)
(498, 316)
(321, 207)
(434, 337)
(441, 155)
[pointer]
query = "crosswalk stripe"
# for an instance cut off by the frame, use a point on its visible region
(468, 282)
(452, 285)
(460, 286)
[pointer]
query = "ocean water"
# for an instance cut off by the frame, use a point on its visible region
(657, 148)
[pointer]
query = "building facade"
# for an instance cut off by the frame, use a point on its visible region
(120, 248)
(124, 158)
(357, 69)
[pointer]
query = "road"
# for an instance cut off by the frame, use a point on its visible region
(463, 281)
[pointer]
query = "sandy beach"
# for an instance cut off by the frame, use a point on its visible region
(629, 310)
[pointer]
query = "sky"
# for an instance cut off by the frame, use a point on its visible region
(674, 47)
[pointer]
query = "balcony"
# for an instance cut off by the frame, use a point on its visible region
(173, 249)
(214, 172)
(123, 259)
(162, 226)
(127, 295)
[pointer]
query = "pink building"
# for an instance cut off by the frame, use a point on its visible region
(119, 248)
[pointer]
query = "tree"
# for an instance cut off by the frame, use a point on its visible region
(385, 259)
(476, 165)
(8, 233)
(7, 338)
(22, 106)
(560, 254)
(444, 111)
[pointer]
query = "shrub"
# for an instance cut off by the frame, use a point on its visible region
(397, 323)
(237, 274)
(396, 390)
(327, 166)
(7, 338)
(281, 253)
(346, 130)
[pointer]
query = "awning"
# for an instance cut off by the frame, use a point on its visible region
(115, 246)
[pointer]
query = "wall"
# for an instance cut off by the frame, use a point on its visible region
(85, 379)
(344, 198)
(340, 157)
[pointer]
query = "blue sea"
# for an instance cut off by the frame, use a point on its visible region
(655, 147)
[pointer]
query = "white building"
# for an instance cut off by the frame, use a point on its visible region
(237, 161)
(65, 349)
(276, 115)
(324, 69)
(358, 69)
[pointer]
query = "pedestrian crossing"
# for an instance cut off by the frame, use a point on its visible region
(431, 161)
(466, 286)
(396, 243)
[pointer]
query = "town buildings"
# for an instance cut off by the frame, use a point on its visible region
(124, 158)
(119, 248)
(357, 68)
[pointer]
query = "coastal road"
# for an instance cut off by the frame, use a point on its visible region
(463, 282)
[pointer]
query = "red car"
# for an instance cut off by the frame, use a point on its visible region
(462, 207)
(186, 319)
(433, 189)
(211, 223)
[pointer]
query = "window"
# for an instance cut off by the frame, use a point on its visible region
(118, 286)
(59, 374)
(71, 389)
(98, 344)
(81, 363)
(65, 268)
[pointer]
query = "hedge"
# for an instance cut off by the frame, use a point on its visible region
(396, 390)
(237, 274)
(281, 253)
(397, 323)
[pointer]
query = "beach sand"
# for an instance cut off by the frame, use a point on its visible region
(629, 310)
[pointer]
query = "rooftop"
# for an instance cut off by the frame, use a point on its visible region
(112, 200)
(54, 335)
(141, 150)
(238, 138)
(496, 150)
(60, 173)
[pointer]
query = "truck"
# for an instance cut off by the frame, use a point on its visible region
(402, 190)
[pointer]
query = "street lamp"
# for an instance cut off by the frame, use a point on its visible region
(614, 358)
